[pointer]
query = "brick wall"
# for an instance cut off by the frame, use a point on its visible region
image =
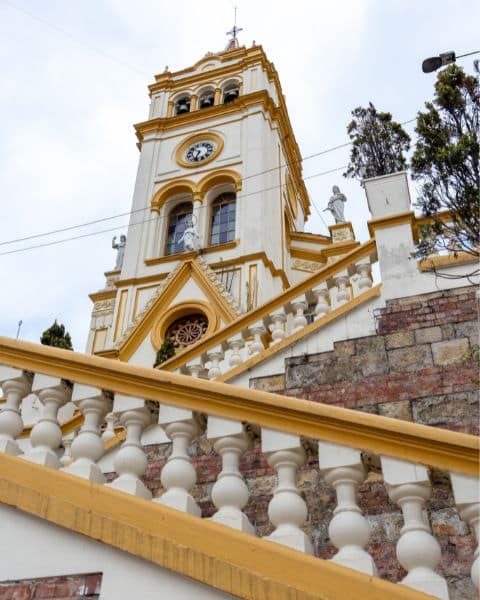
(67, 587)
(419, 367)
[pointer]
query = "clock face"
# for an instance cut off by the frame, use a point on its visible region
(199, 151)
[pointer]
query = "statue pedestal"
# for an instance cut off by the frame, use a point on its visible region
(341, 232)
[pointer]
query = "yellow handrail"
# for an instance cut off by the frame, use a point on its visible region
(381, 435)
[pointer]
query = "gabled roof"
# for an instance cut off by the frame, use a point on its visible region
(195, 268)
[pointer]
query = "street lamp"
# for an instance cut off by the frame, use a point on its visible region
(445, 58)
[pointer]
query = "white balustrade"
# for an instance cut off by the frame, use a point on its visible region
(215, 356)
(257, 331)
(322, 297)
(343, 295)
(130, 462)
(109, 432)
(349, 531)
(299, 321)
(235, 344)
(178, 475)
(365, 275)
(287, 509)
(16, 384)
(466, 491)
(46, 435)
(229, 492)
(277, 326)
(87, 448)
(418, 551)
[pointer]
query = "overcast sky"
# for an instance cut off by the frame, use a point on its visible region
(74, 79)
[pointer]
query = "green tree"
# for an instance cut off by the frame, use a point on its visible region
(378, 144)
(166, 351)
(56, 336)
(446, 164)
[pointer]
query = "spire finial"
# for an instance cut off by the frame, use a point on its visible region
(233, 43)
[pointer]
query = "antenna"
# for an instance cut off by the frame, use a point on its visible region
(18, 330)
(233, 32)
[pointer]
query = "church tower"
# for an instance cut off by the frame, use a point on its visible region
(218, 205)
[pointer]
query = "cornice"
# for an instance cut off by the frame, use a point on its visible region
(304, 236)
(102, 295)
(446, 260)
(391, 221)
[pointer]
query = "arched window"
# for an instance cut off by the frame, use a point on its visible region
(178, 220)
(222, 228)
(231, 93)
(207, 99)
(182, 105)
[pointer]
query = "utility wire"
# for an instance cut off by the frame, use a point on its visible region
(103, 219)
(84, 235)
(67, 34)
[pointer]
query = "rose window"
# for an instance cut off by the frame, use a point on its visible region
(187, 330)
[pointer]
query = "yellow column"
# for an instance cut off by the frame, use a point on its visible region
(170, 108)
(218, 96)
(193, 102)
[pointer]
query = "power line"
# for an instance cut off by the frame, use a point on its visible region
(90, 234)
(66, 33)
(103, 219)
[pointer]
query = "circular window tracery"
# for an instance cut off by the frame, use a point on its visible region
(187, 330)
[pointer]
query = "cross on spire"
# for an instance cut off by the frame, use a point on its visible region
(233, 43)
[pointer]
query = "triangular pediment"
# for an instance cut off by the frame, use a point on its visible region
(191, 286)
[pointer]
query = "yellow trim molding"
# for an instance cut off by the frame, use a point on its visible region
(197, 548)
(446, 260)
(208, 136)
(103, 295)
(304, 236)
(208, 250)
(179, 310)
(178, 186)
(240, 260)
(219, 176)
(417, 443)
(391, 221)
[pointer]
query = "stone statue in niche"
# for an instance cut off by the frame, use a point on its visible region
(120, 248)
(336, 205)
(190, 237)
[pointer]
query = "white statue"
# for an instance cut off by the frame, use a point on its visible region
(190, 238)
(120, 248)
(336, 205)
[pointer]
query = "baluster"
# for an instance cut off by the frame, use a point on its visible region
(196, 368)
(299, 320)
(277, 326)
(349, 531)
(215, 356)
(109, 432)
(322, 297)
(417, 550)
(257, 331)
(229, 492)
(67, 452)
(364, 271)
(16, 384)
(46, 435)
(178, 475)
(235, 344)
(130, 462)
(287, 509)
(343, 295)
(87, 448)
(465, 490)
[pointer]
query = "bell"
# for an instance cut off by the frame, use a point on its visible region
(230, 95)
(183, 106)
(206, 101)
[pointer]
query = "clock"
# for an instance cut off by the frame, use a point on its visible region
(200, 151)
